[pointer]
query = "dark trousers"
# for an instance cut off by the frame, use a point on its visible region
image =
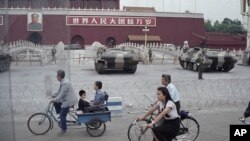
(168, 130)
(63, 116)
(57, 107)
(200, 69)
(247, 111)
(178, 106)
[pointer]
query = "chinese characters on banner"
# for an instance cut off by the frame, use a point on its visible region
(110, 21)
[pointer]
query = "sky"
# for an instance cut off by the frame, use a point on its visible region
(212, 9)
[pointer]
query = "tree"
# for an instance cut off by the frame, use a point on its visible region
(208, 26)
(216, 26)
(227, 21)
(226, 26)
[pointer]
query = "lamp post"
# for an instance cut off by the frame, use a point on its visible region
(145, 30)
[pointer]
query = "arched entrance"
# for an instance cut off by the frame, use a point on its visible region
(110, 42)
(77, 39)
(35, 38)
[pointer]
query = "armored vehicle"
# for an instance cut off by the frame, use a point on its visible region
(115, 59)
(214, 60)
(5, 59)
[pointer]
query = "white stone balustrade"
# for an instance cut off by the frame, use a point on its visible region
(31, 52)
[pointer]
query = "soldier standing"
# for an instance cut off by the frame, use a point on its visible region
(176, 55)
(150, 55)
(53, 53)
(185, 46)
(199, 63)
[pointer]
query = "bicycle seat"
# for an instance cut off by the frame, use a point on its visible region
(184, 114)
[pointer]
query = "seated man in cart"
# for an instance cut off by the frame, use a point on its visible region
(99, 102)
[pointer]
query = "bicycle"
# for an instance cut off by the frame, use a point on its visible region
(189, 129)
(41, 123)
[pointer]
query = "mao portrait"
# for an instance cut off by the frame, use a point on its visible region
(34, 21)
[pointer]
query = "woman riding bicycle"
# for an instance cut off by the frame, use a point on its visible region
(170, 125)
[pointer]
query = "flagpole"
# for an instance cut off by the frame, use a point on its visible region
(179, 6)
(195, 6)
(163, 5)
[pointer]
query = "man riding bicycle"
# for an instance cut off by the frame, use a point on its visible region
(63, 99)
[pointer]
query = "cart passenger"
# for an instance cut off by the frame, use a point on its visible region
(99, 95)
(98, 103)
(82, 104)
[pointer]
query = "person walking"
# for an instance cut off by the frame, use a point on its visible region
(66, 96)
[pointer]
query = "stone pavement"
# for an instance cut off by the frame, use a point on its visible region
(221, 96)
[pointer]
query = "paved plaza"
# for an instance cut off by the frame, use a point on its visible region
(215, 102)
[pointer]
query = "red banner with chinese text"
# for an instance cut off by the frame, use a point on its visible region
(110, 21)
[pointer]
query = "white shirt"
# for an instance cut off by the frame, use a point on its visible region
(173, 92)
(172, 114)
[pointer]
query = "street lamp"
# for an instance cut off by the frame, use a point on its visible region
(145, 30)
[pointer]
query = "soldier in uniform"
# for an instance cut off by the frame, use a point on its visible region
(150, 55)
(53, 53)
(199, 63)
(185, 46)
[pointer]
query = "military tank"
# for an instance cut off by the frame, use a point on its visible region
(5, 59)
(115, 59)
(214, 60)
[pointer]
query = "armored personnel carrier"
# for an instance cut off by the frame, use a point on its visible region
(5, 59)
(115, 59)
(214, 60)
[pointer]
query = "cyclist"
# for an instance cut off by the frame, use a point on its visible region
(166, 81)
(65, 95)
(246, 113)
(168, 112)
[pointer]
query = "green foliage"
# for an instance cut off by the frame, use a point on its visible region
(226, 26)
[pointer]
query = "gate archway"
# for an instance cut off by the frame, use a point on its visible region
(35, 38)
(78, 39)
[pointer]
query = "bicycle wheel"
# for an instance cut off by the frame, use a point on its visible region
(96, 128)
(135, 132)
(189, 130)
(39, 123)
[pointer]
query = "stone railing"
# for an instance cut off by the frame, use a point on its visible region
(23, 51)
